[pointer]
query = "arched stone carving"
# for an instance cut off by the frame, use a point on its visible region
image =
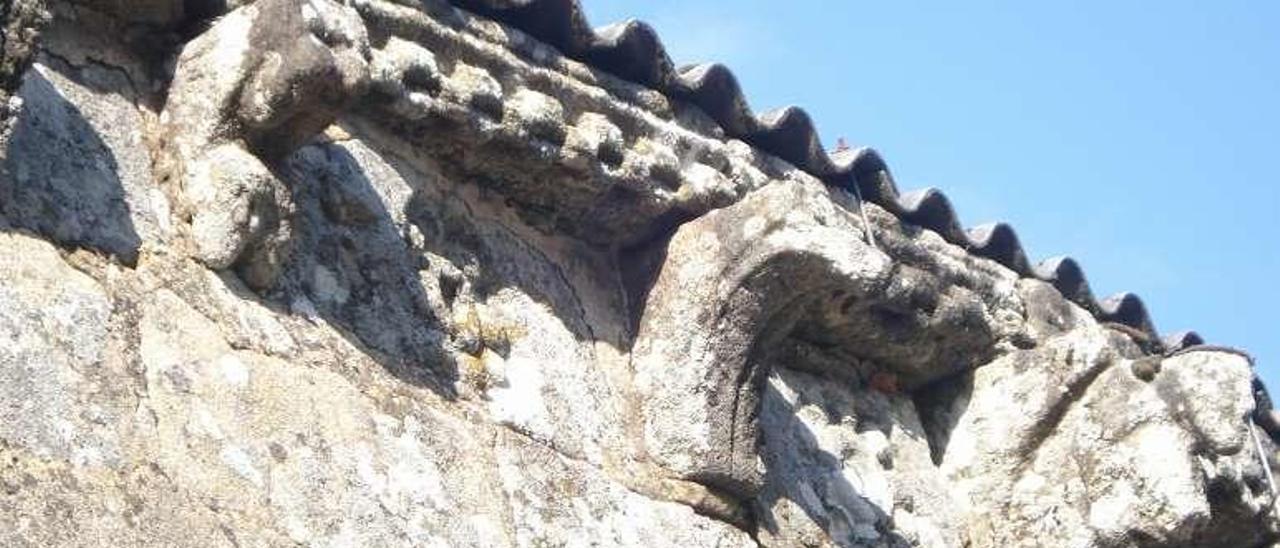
(786, 259)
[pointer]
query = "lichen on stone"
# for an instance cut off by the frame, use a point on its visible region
(391, 273)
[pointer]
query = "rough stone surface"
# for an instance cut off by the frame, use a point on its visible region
(258, 84)
(22, 21)
(387, 273)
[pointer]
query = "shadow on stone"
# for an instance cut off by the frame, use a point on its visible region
(352, 267)
(940, 405)
(496, 256)
(399, 284)
(800, 470)
(639, 267)
(61, 181)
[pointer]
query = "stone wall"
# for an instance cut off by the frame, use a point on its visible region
(391, 273)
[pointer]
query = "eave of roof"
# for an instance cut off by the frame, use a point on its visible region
(633, 51)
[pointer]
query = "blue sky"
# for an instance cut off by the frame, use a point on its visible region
(1142, 138)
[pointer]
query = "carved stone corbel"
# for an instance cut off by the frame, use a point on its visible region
(258, 84)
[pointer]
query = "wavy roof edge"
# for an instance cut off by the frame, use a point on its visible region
(633, 51)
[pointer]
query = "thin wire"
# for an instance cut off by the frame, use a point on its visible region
(842, 146)
(1262, 456)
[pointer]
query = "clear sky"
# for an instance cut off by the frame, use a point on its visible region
(1142, 138)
